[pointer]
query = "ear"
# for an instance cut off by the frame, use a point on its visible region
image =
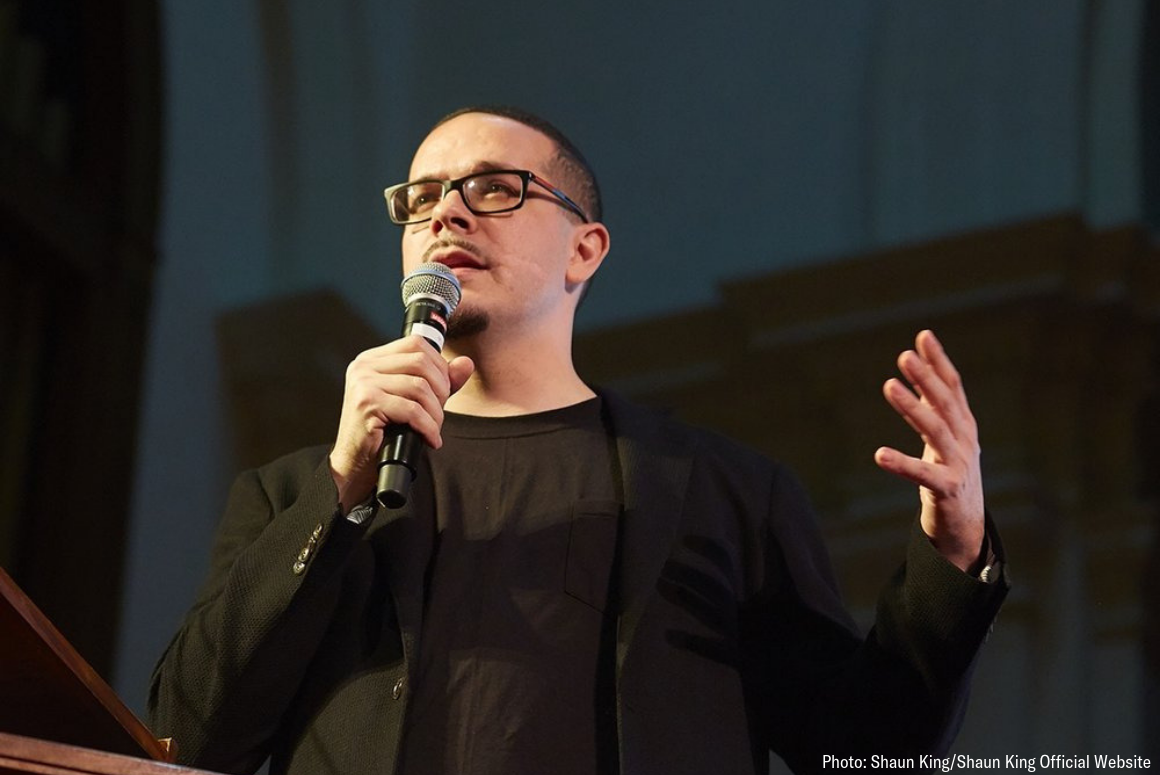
(590, 246)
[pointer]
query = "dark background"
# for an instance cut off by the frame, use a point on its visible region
(193, 244)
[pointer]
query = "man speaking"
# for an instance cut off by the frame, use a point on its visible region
(575, 585)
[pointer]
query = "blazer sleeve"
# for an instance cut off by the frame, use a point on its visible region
(817, 688)
(228, 676)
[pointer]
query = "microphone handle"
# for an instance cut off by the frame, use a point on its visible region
(401, 445)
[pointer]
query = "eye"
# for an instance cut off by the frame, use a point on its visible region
(423, 197)
(500, 187)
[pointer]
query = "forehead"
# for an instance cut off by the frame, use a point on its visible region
(463, 143)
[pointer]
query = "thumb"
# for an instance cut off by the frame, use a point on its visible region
(459, 369)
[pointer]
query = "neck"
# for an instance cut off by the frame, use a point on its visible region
(520, 372)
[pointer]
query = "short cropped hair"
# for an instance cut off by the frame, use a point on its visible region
(579, 181)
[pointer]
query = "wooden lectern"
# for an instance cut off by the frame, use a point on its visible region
(26, 755)
(56, 714)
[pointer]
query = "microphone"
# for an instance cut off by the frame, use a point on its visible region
(430, 294)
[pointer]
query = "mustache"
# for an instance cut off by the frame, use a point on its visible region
(452, 242)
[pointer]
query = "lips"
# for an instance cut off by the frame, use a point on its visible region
(456, 259)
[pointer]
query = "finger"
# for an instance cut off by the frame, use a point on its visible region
(379, 400)
(409, 400)
(909, 468)
(926, 422)
(415, 360)
(948, 398)
(929, 385)
(412, 373)
(411, 343)
(396, 410)
(932, 351)
(459, 370)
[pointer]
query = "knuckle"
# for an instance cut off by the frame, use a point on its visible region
(362, 398)
(416, 360)
(409, 412)
(410, 342)
(363, 408)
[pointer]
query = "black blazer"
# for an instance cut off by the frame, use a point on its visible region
(731, 636)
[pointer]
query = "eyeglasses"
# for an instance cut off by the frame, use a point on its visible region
(484, 193)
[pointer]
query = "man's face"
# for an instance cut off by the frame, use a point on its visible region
(513, 266)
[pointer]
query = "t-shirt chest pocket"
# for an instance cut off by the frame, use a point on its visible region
(592, 537)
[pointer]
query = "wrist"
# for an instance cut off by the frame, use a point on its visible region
(968, 553)
(350, 489)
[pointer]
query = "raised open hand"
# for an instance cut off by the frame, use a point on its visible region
(948, 473)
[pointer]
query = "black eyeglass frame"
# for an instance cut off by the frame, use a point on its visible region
(525, 177)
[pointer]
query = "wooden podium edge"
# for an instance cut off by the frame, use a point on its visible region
(85, 674)
(19, 754)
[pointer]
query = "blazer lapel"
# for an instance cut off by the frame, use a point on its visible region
(404, 538)
(655, 459)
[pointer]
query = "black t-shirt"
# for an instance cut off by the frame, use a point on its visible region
(515, 663)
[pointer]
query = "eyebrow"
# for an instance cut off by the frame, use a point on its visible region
(479, 166)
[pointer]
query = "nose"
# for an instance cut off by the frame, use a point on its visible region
(451, 212)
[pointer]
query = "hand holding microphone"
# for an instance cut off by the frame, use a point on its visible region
(430, 294)
(397, 386)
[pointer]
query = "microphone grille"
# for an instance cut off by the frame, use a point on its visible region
(432, 280)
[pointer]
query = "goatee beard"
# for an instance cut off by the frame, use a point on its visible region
(466, 323)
